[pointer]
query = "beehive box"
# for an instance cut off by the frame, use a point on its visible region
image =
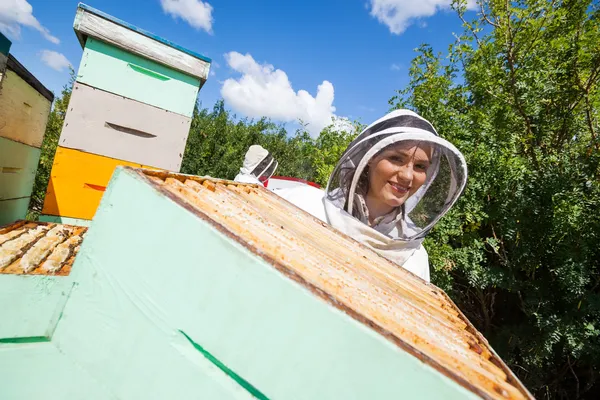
(197, 288)
(24, 108)
(35, 264)
(132, 103)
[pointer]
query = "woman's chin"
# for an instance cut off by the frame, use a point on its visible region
(396, 201)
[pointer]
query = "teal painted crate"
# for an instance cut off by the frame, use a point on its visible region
(228, 291)
(12, 210)
(64, 220)
(18, 165)
(193, 290)
(114, 70)
(36, 302)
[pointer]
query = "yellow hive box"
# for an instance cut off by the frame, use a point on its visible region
(78, 181)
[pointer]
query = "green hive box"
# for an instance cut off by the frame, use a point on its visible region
(196, 288)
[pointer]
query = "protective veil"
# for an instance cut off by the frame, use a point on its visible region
(399, 234)
(258, 166)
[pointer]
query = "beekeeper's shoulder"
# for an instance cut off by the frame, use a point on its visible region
(308, 198)
(418, 263)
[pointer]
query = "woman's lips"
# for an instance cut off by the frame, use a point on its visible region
(398, 188)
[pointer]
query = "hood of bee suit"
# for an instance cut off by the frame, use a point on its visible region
(259, 163)
(398, 235)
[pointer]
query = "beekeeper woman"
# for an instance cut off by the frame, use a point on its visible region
(391, 186)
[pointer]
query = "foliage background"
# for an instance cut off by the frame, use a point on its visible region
(518, 93)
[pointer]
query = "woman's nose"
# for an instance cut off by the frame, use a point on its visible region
(405, 172)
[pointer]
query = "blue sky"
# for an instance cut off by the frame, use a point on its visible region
(264, 51)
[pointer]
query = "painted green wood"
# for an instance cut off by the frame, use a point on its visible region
(4, 44)
(33, 304)
(39, 371)
(13, 209)
(18, 165)
(153, 293)
(111, 69)
(64, 220)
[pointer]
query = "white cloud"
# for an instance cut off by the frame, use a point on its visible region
(55, 60)
(395, 67)
(263, 91)
(197, 13)
(400, 14)
(14, 13)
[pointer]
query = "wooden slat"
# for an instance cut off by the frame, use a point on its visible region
(111, 69)
(89, 25)
(77, 183)
(23, 111)
(105, 124)
(18, 164)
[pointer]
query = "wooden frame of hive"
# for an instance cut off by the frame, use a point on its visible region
(225, 290)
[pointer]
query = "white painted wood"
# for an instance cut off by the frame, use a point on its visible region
(88, 24)
(114, 126)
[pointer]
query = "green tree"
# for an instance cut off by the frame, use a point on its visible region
(518, 93)
(48, 149)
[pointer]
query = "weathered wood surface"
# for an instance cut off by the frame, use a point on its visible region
(13, 209)
(111, 69)
(14, 65)
(23, 111)
(3, 60)
(110, 125)
(18, 165)
(88, 24)
(77, 183)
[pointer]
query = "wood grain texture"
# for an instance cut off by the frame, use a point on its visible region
(102, 123)
(13, 209)
(111, 69)
(77, 183)
(14, 65)
(88, 25)
(18, 165)
(23, 111)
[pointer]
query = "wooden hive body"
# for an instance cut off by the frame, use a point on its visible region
(24, 108)
(197, 288)
(132, 103)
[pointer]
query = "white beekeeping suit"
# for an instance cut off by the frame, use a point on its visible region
(397, 236)
(258, 166)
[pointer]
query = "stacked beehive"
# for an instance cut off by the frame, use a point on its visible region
(230, 292)
(131, 104)
(24, 109)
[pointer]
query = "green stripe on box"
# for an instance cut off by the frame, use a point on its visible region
(114, 70)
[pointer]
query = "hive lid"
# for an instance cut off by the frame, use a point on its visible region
(105, 27)
(414, 315)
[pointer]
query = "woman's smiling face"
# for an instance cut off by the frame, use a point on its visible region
(397, 173)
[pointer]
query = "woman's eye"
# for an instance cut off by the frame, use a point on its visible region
(421, 167)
